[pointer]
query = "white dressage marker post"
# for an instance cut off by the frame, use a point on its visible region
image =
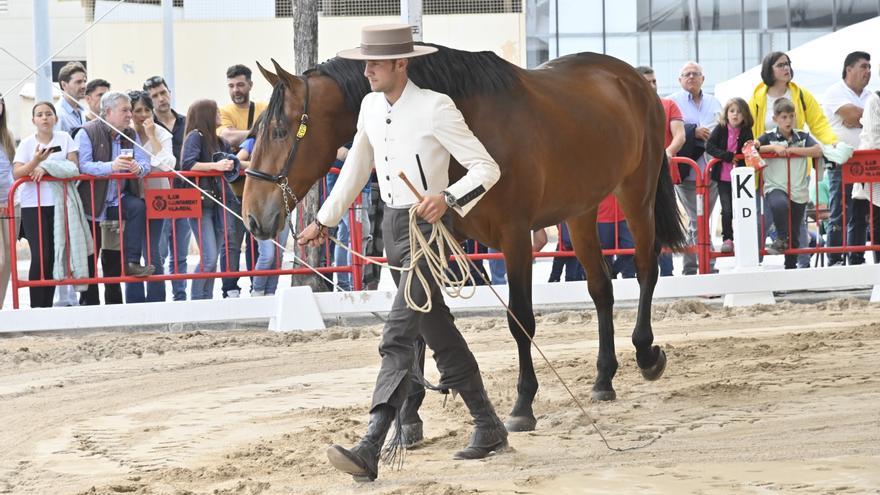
(745, 236)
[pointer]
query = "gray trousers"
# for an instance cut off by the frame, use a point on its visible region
(687, 194)
(457, 366)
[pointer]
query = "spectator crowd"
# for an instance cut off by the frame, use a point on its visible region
(84, 229)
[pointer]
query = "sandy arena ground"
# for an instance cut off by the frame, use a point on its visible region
(782, 399)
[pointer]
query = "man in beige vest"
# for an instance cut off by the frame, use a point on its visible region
(403, 128)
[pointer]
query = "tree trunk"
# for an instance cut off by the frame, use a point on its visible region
(305, 52)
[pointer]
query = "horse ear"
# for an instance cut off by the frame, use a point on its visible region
(272, 78)
(285, 76)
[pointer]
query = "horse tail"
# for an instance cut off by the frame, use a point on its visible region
(670, 232)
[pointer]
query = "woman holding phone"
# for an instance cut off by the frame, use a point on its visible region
(199, 146)
(37, 200)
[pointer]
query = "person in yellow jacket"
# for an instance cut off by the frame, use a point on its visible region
(776, 74)
(776, 77)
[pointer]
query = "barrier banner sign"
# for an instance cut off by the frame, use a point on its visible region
(864, 166)
(173, 203)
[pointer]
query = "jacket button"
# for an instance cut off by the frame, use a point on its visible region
(387, 177)
(386, 158)
(387, 121)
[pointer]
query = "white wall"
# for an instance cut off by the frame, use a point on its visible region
(66, 19)
(127, 53)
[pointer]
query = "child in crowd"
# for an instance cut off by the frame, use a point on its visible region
(38, 199)
(726, 141)
(788, 173)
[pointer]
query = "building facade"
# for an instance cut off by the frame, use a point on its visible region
(725, 36)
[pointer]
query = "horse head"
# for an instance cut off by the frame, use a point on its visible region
(304, 124)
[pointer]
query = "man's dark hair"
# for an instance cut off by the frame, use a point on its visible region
(69, 69)
(767, 67)
(238, 70)
(94, 84)
(154, 82)
(852, 59)
(644, 70)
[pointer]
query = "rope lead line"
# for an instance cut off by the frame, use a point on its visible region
(419, 247)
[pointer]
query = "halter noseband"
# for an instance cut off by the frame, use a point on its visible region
(281, 179)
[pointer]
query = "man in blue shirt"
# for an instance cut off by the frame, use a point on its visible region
(101, 154)
(702, 110)
(72, 79)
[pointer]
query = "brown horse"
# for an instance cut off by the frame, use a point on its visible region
(565, 136)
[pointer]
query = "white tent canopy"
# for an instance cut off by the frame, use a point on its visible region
(817, 64)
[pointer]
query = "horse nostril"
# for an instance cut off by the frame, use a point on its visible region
(253, 225)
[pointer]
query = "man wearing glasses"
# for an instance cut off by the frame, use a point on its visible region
(174, 123)
(700, 110)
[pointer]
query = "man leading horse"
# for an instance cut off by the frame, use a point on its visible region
(403, 128)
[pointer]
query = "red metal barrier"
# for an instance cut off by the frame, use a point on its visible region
(864, 167)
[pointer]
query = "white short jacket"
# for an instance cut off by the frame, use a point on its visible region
(416, 135)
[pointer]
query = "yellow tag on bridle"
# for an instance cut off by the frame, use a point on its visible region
(301, 132)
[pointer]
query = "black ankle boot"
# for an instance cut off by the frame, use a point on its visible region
(489, 433)
(362, 460)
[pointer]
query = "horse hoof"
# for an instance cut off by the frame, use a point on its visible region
(604, 395)
(654, 372)
(520, 423)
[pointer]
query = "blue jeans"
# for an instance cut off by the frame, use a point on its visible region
(236, 234)
(268, 260)
(341, 257)
(665, 262)
(497, 270)
(783, 210)
(134, 212)
(856, 227)
(623, 264)
(182, 233)
(210, 239)
(155, 290)
(574, 271)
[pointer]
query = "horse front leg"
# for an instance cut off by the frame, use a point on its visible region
(521, 322)
(585, 240)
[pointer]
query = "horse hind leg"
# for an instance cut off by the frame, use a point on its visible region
(641, 222)
(585, 240)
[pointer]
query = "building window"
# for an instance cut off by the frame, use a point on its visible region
(352, 8)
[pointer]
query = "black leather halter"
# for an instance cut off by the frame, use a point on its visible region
(281, 179)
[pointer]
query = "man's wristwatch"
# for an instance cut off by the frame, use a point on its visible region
(450, 199)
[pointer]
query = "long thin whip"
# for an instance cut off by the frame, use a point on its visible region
(437, 266)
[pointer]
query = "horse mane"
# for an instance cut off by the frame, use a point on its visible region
(457, 73)
(274, 111)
